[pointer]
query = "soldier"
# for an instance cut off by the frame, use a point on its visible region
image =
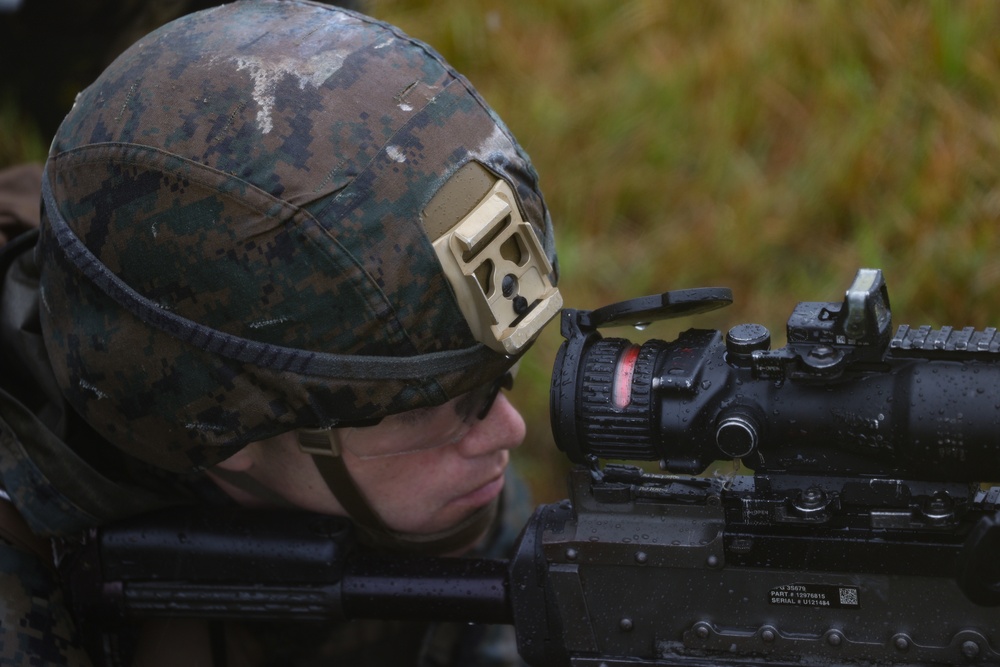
(287, 257)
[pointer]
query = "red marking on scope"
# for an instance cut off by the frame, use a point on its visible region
(621, 388)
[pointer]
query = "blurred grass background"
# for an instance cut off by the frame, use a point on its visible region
(773, 147)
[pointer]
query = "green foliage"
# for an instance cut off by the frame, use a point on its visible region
(774, 147)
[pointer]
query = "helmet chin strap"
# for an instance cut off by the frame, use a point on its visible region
(325, 449)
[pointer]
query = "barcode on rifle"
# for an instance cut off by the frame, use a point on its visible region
(818, 596)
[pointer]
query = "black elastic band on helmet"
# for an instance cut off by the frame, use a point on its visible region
(262, 355)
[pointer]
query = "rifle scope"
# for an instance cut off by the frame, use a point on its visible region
(844, 396)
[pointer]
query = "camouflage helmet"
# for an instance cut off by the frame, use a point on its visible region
(257, 219)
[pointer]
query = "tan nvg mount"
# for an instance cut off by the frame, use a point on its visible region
(493, 260)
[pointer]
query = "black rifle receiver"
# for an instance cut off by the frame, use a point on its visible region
(862, 537)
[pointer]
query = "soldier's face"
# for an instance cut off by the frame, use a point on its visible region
(420, 491)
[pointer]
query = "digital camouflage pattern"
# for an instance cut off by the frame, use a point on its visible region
(35, 625)
(232, 243)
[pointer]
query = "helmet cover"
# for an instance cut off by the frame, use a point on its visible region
(233, 244)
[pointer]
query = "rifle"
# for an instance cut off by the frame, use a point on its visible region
(862, 537)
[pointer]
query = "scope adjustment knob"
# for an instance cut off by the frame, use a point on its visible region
(737, 433)
(745, 339)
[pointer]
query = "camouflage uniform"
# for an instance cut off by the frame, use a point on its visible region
(35, 624)
(233, 246)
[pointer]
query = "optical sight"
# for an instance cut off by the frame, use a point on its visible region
(845, 394)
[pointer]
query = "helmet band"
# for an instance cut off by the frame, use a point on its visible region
(263, 355)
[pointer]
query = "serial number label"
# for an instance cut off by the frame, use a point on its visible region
(830, 596)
